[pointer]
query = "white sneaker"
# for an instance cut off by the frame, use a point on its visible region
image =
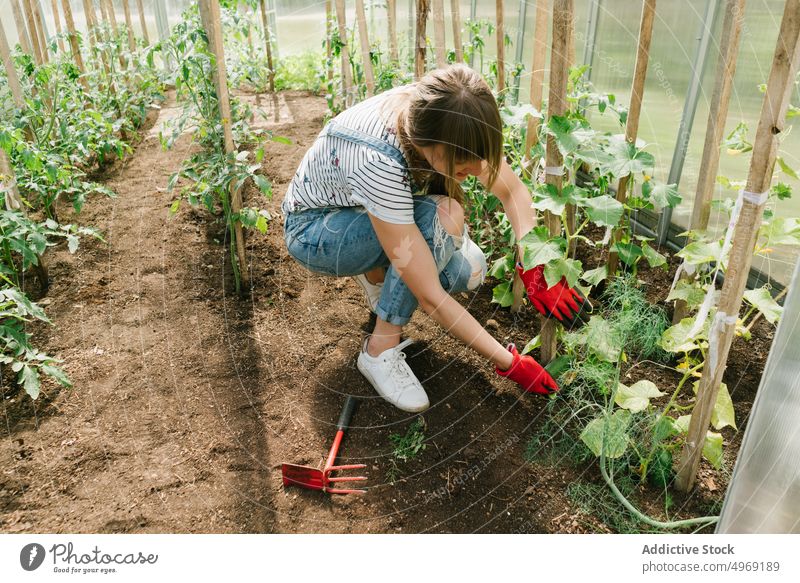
(392, 378)
(372, 291)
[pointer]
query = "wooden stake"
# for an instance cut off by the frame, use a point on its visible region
(210, 12)
(57, 20)
(11, 72)
(268, 48)
(537, 93)
(455, 9)
(420, 67)
(439, 43)
(632, 124)
(563, 22)
(143, 23)
(391, 8)
(328, 43)
(91, 23)
(717, 115)
(366, 58)
(780, 85)
(347, 73)
(37, 10)
(112, 16)
(73, 42)
(126, 6)
(501, 48)
(31, 21)
(22, 30)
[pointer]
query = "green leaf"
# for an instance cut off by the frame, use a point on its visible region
(174, 207)
(723, 414)
(595, 276)
(558, 365)
(677, 339)
(637, 397)
(532, 344)
(780, 231)
(762, 299)
(569, 134)
(608, 435)
(690, 292)
(661, 195)
(569, 268)
(502, 266)
(654, 258)
(502, 294)
(736, 142)
(72, 243)
(29, 378)
(712, 449)
(548, 198)
(517, 115)
(660, 471)
(788, 170)
(628, 159)
(57, 374)
(601, 339)
(628, 252)
(663, 429)
(701, 252)
(264, 185)
(605, 211)
(537, 249)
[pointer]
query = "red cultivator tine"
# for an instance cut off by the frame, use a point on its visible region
(314, 479)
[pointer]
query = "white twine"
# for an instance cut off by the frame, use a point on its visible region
(754, 197)
(721, 319)
(554, 170)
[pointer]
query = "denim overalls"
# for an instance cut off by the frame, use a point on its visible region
(341, 241)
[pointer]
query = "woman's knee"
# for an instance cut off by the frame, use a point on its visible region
(451, 215)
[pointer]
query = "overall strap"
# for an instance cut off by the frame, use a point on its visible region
(358, 137)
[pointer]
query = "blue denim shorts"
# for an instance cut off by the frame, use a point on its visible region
(340, 241)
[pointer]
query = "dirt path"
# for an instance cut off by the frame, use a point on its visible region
(186, 399)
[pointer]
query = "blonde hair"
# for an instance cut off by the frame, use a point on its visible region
(455, 107)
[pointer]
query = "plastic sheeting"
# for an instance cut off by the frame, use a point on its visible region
(764, 492)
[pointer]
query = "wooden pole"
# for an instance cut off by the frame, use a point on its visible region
(31, 22)
(455, 9)
(268, 48)
(632, 124)
(112, 16)
(391, 8)
(73, 42)
(126, 6)
(439, 43)
(501, 48)
(420, 42)
(563, 22)
(37, 10)
(347, 73)
(143, 23)
(57, 20)
(91, 23)
(780, 85)
(328, 43)
(210, 12)
(22, 30)
(11, 72)
(366, 58)
(717, 115)
(537, 94)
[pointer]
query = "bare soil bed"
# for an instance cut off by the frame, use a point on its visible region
(187, 398)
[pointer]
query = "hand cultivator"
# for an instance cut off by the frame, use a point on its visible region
(316, 479)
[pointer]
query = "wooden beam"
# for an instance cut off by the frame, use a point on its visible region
(57, 20)
(30, 20)
(439, 43)
(126, 6)
(366, 58)
(455, 9)
(532, 134)
(391, 16)
(37, 10)
(73, 43)
(11, 72)
(635, 109)
(771, 123)
(501, 47)
(563, 22)
(268, 48)
(347, 73)
(143, 23)
(22, 30)
(420, 67)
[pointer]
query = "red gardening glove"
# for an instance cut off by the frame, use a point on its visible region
(528, 374)
(561, 302)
